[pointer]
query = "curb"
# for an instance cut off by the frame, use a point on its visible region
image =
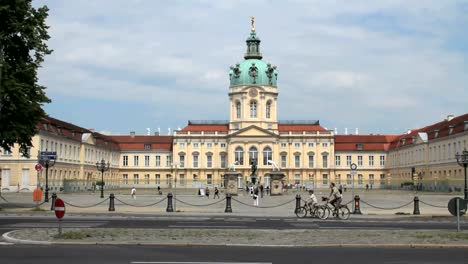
(7, 237)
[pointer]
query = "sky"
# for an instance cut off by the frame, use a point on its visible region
(380, 66)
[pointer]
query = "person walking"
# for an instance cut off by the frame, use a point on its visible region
(207, 192)
(216, 193)
(159, 190)
(255, 196)
(133, 193)
(261, 190)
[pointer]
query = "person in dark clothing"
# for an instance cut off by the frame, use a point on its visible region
(216, 193)
(261, 190)
(207, 192)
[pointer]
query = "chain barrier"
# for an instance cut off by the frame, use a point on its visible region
(85, 206)
(200, 205)
(348, 202)
(433, 205)
(4, 199)
(273, 206)
(135, 205)
(386, 208)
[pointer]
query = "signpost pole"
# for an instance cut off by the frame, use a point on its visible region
(353, 168)
(60, 226)
(458, 215)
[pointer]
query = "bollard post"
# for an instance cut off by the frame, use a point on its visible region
(54, 197)
(357, 205)
(298, 203)
(416, 206)
(111, 203)
(169, 203)
(228, 203)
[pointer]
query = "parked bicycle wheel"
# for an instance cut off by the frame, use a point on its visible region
(343, 213)
(301, 212)
(324, 212)
(319, 212)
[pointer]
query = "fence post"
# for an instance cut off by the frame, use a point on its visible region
(111, 202)
(298, 203)
(169, 203)
(228, 203)
(416, 206)
(357, 205)
(54, 197)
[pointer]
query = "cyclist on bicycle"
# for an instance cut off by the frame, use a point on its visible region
(312, 201)
(335, 196)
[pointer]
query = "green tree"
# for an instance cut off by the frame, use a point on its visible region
(23, 36)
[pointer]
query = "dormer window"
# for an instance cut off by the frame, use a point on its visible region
(46, 126)
(359, 146)
(403, 141)
(436, 133)
(450, 130)
(466, 126)
(147, 146)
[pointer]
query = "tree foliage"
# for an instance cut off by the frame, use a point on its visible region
(23, 36)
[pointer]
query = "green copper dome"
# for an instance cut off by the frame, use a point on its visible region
(253, 71)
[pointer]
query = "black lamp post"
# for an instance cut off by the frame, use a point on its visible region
(462, 160)
(102, 166)
(47, 161)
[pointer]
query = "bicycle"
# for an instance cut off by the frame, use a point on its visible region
(342, 213)
(314, 211)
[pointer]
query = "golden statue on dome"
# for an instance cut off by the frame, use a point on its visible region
(252, 20)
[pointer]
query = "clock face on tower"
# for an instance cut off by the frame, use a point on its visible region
(253, 92)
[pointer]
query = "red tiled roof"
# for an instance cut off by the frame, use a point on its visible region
(363, 142)
(206, 128)
(136, 142)
(300, 128)
(442, 128)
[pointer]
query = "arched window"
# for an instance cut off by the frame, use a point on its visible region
(268, 109)
(267, 155)
(239, 155)
(253, 154)
(238, 110)
(253, 109)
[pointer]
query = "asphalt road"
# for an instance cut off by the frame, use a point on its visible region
(19, 254)
(205, 222)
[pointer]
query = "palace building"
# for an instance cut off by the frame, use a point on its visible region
(204, 150)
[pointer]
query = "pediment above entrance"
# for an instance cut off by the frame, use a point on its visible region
(253, 131)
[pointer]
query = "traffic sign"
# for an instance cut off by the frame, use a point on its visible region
(47, 155)
(353, 166)
(452, 206)
(38, 167)
(59, 208)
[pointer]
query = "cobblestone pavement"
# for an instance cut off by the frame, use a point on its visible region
(375, 202)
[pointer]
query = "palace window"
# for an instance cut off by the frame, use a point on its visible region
(136, 179)
(268, 109)
(124, 178)
(135, 161)
(209, 161)
(147, 179)
(371, 179)
(158, 179)
(181, 179)
(158, 161)
(195, 145)
(297, 145)
(311, 144)
(359, 160)
(283, 145)
(297, 161)
(223, 145)
(147, 146)
(169, 161)
(238, 110)
(168, 179)
(297, 178)
(147, 161)
(382, 179)
(324, 145)
(209, 145)
(125, 161)
(338, 179)
(325, 160)
(371, 160)
(195, 160)
(311, 161)
(253, 109)
(253, 155)
(382, 160)
(325, 179)
(283, 161)
(209, 179)
(349, 179)
(239, 155)
(223, 160)
(267, 155)
(182, 160)
(360, 179)
(337, 160)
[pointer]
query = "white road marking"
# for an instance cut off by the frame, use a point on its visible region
(205, 226)
(5, 244)
(169, 262)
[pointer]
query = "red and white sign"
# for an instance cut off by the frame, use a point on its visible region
(59, 208)
(38, 167)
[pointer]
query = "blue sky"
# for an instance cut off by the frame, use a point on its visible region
(380, 66)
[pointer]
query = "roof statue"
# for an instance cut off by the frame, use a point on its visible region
(252, 21)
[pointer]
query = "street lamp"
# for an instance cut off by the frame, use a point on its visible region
(102, 166)
(174, 165)
(462, 160)
(47, 159)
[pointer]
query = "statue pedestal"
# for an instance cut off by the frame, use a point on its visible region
(276, 182)
(231, 182)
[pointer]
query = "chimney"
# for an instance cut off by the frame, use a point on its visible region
(132, 134)
(357, 131)
(159, 131)
(450, 117)
(346, 131)
(92, 130)
(169, 131)
(156, 133)
(408, 132)
(148, 131)
(336, 131)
